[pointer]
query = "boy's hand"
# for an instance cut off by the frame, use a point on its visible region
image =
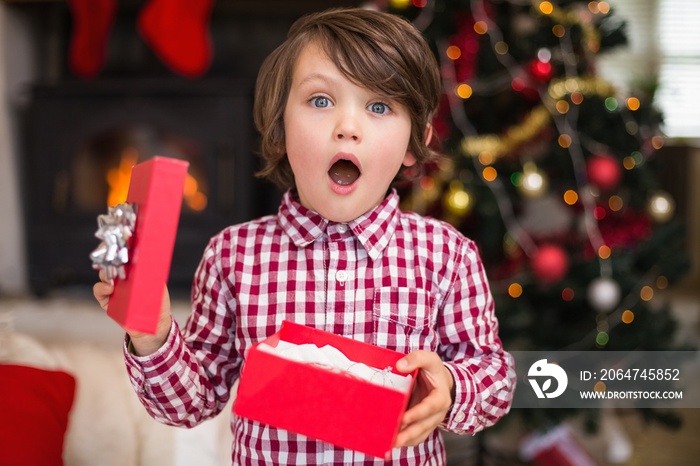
(430, 400)
(144, 343)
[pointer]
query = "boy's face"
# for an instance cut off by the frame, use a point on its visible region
(345, 143)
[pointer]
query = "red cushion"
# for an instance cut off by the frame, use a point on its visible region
(34, 408)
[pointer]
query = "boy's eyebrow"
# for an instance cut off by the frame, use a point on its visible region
(316, 77)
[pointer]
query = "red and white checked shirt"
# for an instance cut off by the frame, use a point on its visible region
(390, 278)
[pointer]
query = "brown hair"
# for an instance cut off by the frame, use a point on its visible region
(379, 51)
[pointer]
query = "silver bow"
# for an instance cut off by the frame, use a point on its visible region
(114, 229)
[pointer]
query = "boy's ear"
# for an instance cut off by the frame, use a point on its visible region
(410, 158)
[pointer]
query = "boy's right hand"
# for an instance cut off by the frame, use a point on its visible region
(143, 343)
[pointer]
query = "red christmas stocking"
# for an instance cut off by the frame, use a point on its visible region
(178, 31)
(92, 22)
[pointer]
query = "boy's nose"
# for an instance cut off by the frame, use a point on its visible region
(348, 128)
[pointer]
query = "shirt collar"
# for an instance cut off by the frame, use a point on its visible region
(373, 229)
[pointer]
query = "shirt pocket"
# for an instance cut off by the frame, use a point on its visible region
(403, 319)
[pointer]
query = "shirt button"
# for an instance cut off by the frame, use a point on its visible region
(342, 228)
(459, 417)
(135, 372)
(341, 275)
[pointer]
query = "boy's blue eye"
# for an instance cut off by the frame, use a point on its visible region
(379, 108)
(320, 102)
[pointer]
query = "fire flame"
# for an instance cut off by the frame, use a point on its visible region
(118, 180)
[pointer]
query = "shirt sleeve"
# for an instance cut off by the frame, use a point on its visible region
(189, 378)
(483, 372)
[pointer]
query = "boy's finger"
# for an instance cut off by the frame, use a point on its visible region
(414, 360)
(416, 432)
(427, 407)
(104, 279)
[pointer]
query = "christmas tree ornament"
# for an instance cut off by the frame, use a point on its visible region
(533, 182)
(604, 172)
(400, 4)
(178, 32)
(550, 264)
(531, 127)
(603, 294)
(541, 70)
(661, 206)
(92, 22)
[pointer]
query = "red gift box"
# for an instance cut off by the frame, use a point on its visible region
(557, 447)
(156, 188)
(314, 401)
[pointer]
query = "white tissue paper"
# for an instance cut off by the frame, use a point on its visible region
(332, 359)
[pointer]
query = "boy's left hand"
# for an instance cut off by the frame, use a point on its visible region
(430, 400)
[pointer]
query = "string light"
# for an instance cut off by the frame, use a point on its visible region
(515, 290)
(501, 47)
(453, 52)
(464, 91)
(562, 106)
(646, 293)
(657, 142)
(489, 173)
(615, 203)
(611, 104)
(602, 338)
(481, 27)
(633, 103)
(564, 140)
(486, 158)
(570, 197)
(627, 317)
(534, 182)
(546, 8)
(661, 206)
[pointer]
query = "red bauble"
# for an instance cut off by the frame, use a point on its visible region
(604, 171)
(541, 70)
(550, 264)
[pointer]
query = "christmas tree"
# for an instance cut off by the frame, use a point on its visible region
(553, 173)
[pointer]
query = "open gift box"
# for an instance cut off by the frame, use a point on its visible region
(320, 403)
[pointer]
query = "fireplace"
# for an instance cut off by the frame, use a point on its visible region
(84, 139)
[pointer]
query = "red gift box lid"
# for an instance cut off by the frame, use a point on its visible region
(156, 188)
(314, 401)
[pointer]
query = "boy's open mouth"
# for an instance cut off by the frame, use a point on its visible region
(344, 172)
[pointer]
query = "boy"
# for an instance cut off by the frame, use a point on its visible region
(343, 105)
